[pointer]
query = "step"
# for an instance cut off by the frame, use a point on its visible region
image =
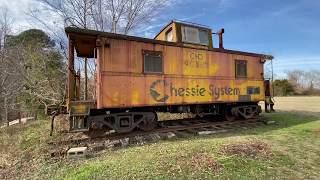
(77, 152)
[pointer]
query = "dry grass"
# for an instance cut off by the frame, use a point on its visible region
(61, 128)
(22, 148)
(173, 116)
(61, 123)
(205, 161)
(195, 162)
(297, 103)
(252, 149)
(317, 131)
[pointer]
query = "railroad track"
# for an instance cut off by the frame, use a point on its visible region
(166, 130)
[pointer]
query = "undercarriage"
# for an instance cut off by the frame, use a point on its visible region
(146, 119)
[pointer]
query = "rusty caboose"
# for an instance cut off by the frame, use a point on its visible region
(177, 71)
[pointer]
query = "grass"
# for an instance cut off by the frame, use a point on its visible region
(287, 149)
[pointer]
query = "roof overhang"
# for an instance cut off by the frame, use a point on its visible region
(85, 42)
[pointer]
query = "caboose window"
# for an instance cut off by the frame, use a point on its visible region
(203, 35)
(169, 35)
(152, 61)
(194, 35)
(241, 68)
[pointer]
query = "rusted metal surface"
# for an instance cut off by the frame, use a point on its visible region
(86, 42)
(190, 76)
(176, 27)
(220, 34)
(100, 51)
(81, 108)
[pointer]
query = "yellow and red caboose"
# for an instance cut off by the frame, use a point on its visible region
(177, 71)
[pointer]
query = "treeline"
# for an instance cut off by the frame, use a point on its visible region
(298, 83)
(32, 73)
(33, 69)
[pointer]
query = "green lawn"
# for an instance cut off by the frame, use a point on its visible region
(287, 149)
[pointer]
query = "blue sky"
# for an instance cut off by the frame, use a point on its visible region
(286, 29)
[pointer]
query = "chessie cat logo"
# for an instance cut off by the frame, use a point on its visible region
(157, 91)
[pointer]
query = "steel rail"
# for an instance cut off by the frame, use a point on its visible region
(180, 126)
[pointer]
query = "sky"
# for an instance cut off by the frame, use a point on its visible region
(287, 29)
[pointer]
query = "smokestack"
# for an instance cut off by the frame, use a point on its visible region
(220, 34)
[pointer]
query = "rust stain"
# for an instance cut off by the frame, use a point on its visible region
(189, 76)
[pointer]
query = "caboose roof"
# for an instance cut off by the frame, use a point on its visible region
(185, 23)
(85, 42)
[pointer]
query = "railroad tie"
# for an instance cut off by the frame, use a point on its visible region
(212, 132)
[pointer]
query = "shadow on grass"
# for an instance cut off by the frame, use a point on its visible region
(280, 120)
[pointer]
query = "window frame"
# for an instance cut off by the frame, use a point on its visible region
(184, 35)
(144, 52)
(237, 61)
(208, 39)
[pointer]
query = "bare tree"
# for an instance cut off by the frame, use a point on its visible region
(10, 83)
(304, 82)
(115, 9)
(74, 12)
(5, 25)
(117, 16)
(9, 80)
(312, 79)
(295, 78)
(123, 16)
(141, 11)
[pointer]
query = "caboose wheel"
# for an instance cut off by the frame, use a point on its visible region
(149, 122)
(228, 115)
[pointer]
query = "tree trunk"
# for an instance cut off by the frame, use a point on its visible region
(0, 41)
(19, 116)
(6, 119)
(114, 25)
(35, 115)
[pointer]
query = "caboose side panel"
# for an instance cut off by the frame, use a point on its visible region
(153, 90)
(179, 71)
(188, 76)
(123, 56)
